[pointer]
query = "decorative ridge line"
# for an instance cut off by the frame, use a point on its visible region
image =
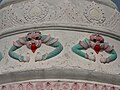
(58, 84)
(17, 1)
(13, 31)
(60, 74)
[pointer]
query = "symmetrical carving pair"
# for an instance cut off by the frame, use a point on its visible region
(97, 43)
(33, 41)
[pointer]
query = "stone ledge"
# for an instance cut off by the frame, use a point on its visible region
(39, 27)
(51, 73)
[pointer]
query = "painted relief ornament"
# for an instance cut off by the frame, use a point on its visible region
(33, 41)
(97, 43)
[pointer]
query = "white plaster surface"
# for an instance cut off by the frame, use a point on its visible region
(66, 59)
(60, 12)
(64, 19)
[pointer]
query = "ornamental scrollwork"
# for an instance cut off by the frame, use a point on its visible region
(98, 44)
(94, 13)
(33, 41)
(57, 85)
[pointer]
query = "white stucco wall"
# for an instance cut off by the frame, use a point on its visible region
(70, 21)
(66, 59)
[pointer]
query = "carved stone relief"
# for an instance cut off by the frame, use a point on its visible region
(57, 85)
(94, 13)
(39, 12)
(97, 43)
(115, 18)
(34, 40)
